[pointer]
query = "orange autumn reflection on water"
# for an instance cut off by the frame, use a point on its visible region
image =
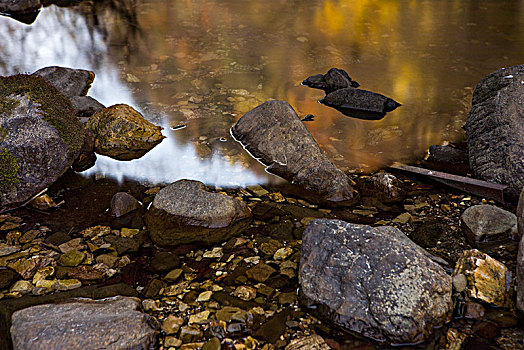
(205, 63)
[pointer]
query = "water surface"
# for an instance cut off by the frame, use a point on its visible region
(202, 64)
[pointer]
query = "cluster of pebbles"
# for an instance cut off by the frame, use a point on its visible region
(240, 294)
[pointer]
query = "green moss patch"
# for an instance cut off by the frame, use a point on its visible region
(57, 109)
(8, 170)
(7, 105)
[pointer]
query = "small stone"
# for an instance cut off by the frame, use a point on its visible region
(276, 197)
(108, 260)
(205, 296)
(67, 284)
(245, 293)
(189, 334)
(7, 277)
(85, 273)
(43, 273)
(173, 275)
(22, 287)
(260, 272)
(403, 218)
(172, 324)
(164, 261)
(123, 203)
(485, 224)
(73, 244)
(45, 284)
(258, 190)
(460, 283)
(212, 344)
(287, 298)
(310, 342)
(96, 231)
(270, 247)
(216, 253)
(129, 232)
(226, 313)
(72, 258)
(172, 342)
(29, 236)
(282, 254)
(199, 318)
(474, 310)
(6, 249)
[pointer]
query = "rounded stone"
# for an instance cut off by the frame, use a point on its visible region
(487, 225)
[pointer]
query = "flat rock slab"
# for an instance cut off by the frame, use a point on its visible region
(112, 323)
(274, 134)
(186, 212)
(495, 129)
(372, 281)
(488, 225)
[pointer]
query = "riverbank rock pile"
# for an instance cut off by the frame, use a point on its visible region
(274, 134)
(495, 129)
(42, 133)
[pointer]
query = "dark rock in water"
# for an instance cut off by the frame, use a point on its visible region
(85, 107)
(362, 104)
(164, 262)
(373, 281)
(308, 118)
(123, 203)
(383, 186)
(87, 157)
(24, 11)
(39, 137)
(429, 233)
(448, 159)
(185, 212)
(274, 134)
(495, 129)
(85, 323)
(70, 82)
(7, 277)
(334, 79)
(487, 225)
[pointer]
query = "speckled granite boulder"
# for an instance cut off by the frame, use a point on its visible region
(274, 134)
(495, 129)
(122, 133)
(185, 212)
(112, 323)
(372, 281)
(39, 137)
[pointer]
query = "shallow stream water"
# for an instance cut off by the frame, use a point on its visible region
(197, 66)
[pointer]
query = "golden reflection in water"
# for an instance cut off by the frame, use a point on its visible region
(205, 63)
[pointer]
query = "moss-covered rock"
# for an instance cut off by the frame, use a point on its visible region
(40, 137)
(122, 133)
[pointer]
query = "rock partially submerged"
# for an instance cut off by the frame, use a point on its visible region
(360, 103)
(26, 11)
(39, 137)
(122, 133)
(372, 281)
(83, 324)
(274, 134)
(185, 212)
(495, 129)
(334, 79)
(70, 82)
(488, 225)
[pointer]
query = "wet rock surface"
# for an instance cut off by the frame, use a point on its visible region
(367, 280)
(495, 129)
(360, 103)
(123, 203)
(70, 82)
(334, 79)
(185, 212)
(488, 225)
(274, 134)
(84, 323)
(39, 137)
(122, 133)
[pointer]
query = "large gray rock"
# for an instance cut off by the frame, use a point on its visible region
(495, 129)
(520, 214)
(112, 323)
(185, 212)
(274, 134)
(372, 281)
(39, 137)
(487, 225)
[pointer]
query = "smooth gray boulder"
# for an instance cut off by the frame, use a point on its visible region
(186, 212)
(39, 137)
(70, 82)
(488, 225)
(112, 323)
(274, 134)
(373, 281)
(495, 129)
